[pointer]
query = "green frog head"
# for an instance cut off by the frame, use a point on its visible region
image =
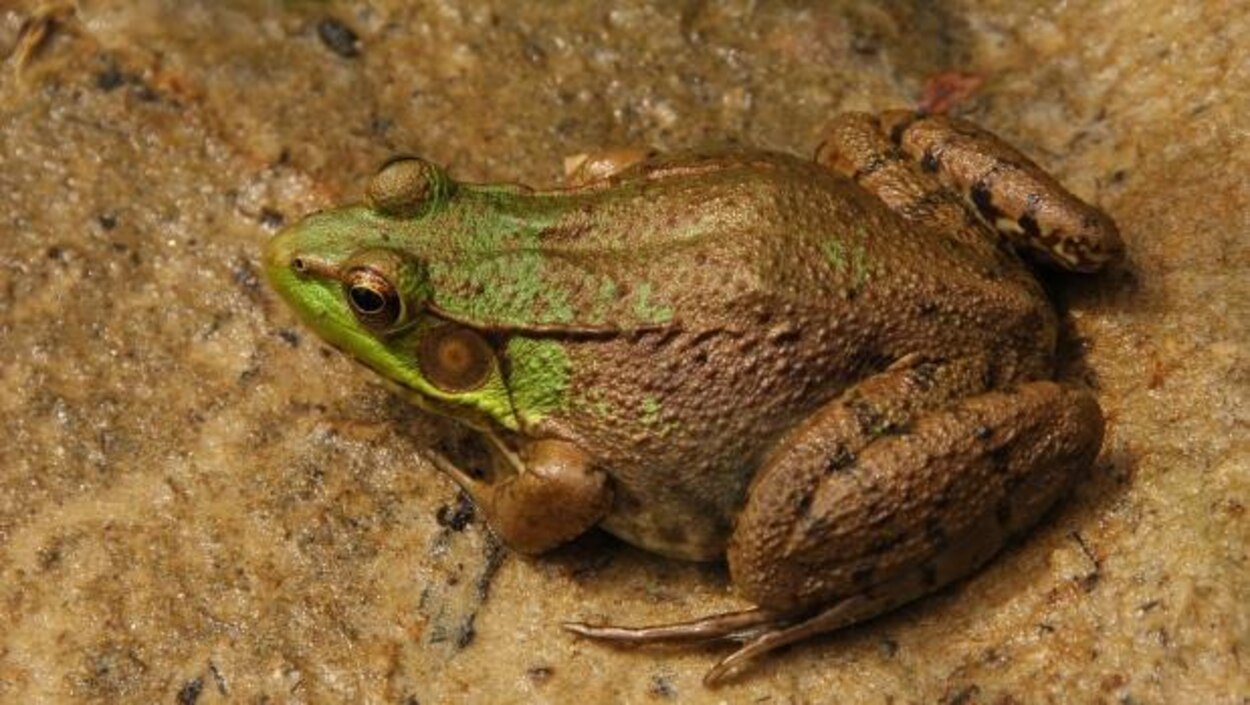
(360, 276)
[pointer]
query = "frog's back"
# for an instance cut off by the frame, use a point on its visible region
(711, 236)
(703, 234)
(780, 283)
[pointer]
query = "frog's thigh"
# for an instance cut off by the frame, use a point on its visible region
(838, 433)
(1012, 193)
(913, 510)
(857, 146)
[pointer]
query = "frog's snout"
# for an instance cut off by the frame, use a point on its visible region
(286, 262)
(281, 254)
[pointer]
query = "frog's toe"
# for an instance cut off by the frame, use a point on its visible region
(759, 630)
(739, 626)
(784, 633)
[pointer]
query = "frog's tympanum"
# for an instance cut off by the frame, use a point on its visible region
(835, 374)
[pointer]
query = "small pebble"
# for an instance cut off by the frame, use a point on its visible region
(338, 38)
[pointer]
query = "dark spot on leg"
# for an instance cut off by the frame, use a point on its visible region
(878, 161)
(840, 460)
(457, 517)
(867, 417)
(338, 38)
(1028, 224)
(874, 165)
(896, 132)
(1031, 202)
(924, 375)
(928, 308)
(805, 506)
(930, 162)
(980, 195)
(189, 694)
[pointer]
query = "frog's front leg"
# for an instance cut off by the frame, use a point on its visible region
(893, 490)
(549, 494)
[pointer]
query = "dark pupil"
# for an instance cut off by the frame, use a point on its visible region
(367, 300)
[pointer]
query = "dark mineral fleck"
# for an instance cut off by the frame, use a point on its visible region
(338, 38)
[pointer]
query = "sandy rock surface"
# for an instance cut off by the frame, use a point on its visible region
(200, 503)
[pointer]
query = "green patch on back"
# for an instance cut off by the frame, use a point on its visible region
(649, 311)
(605, 298)
(509, 282)
(539, 377)
(592, 401)
(652, 416)
(835, 253)
(849, 256)
(510, 260)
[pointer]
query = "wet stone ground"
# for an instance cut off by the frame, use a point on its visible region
(200, 503)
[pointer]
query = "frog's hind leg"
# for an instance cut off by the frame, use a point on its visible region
(909, 481)
(858, 146)
(850, 535)
(870, 503)
(887, 401)
(1011, 193)
(729, 625)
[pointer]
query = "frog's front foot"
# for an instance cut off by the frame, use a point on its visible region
(550, 495)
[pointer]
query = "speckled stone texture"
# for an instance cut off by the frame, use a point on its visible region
(200, 503)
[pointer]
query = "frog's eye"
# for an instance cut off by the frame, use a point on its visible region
(406, 187)
(373, 298)
(455, 359)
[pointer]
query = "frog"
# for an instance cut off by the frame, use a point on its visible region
(835, 374)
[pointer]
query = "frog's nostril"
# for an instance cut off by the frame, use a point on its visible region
(299, 265)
